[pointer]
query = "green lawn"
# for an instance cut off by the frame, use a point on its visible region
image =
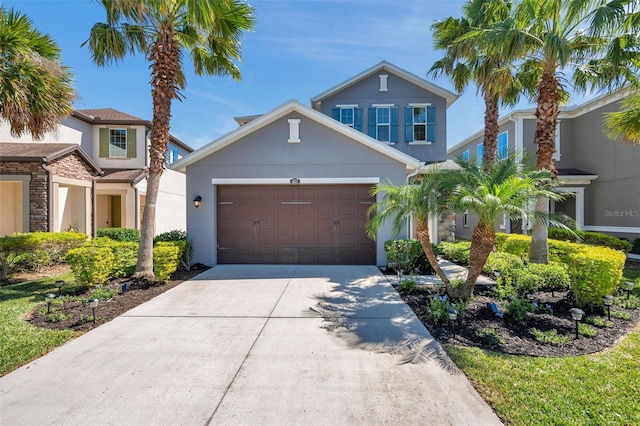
(599, 389)
(20, 341)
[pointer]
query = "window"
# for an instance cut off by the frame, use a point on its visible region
(117, 143)
(465, 155)
(480, 153)
(172, 154)
(420, 123)
(349, 115)
(465, 218)
(503, 146)
(383, 123)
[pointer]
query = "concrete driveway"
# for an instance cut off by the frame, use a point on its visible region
(252, 345)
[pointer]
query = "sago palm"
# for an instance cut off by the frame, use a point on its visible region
(36, 91)
(419, 200)
(468, 59)
(489, 194)
(208, 31)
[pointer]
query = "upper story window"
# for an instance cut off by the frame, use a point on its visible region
(503, 145)
(383, 123)
(171, 155)
(117, 143)
(420, 123)
(350, 115)
(465, 155)
(480, 153)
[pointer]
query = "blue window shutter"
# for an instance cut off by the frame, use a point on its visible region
(372, 122)
(393, 137)
(408, 124)
(431, 123)
(357, 118)
(336, 113)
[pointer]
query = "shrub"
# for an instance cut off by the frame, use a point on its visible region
(503, 262)
(126, 257)
(524, 281)
(501, 237)
(91, 265)
(408, 255)
(175, 235)
(551, 336)
(518, 245)
(604, 240)
(165, 261)
(554, 276)
(518, 309)
(490, 337)
(456, 252)
(594, 272)
(562, 234)
(119, 234)
(586, 330)
(103, 293)
(635, 248)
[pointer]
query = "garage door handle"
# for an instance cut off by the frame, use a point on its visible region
(256, 224)
(336, 224)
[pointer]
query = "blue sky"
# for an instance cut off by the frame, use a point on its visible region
(299, 49)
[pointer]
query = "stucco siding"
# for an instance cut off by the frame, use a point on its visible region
(266, 154)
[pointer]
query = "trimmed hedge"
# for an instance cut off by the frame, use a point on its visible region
(119, 234)
(591, 238)
(91, 265)
(175, 235)
(503, 262)
(554, 276)
(408, 255)
(455, 252)
(166, 257)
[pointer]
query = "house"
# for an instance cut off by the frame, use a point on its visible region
(293, 185)
(89, 174)
(600, 176)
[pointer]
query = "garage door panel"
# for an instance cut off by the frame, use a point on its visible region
(294, 224)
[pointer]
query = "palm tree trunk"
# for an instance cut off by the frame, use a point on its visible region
(164, 56)
(491, 130)
(482, 242)
(548, 104)
(425, 242)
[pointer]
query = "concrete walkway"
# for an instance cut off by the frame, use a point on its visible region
(252, 345)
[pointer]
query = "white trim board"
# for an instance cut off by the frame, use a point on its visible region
(302, 181)
(616, 229)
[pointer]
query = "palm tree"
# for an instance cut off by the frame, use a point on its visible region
(209, 31)
(488, 194)
(419, 200)
(36, 91)
(625, 124)
(555, 37)
(467, 59)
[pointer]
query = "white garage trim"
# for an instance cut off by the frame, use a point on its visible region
(297, 181)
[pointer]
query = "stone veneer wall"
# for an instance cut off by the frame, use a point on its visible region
(70, 166)
(447, 227)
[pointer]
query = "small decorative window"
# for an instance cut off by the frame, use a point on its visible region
(480, 153)
(503, 146)
(117, 143)
(349, 115)
(465, 155)
(346, 116)
(465, 218)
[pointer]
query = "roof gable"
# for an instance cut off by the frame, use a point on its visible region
(45, 152)
(388, 67)
(281, 111)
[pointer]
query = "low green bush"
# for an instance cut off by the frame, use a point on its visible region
(166, 258)
(517, 244)
(562, 234)
(635, 247)
(524, 281)
(517, 309)
(594, 272)
(456, 252)
(408, 255)
(501, 237)
(175, 235)
(604, 240)
(119, 234)
(554, 276)
(91, 265)
(551, 337)
(503, 262)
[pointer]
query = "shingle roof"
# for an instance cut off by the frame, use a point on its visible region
(123, 175)
(109, 114)
(47, 152)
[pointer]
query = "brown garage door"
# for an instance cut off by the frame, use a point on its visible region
(294, 224)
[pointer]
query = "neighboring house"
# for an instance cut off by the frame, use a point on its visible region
(600, 176)
(293, 185)
(112, 147)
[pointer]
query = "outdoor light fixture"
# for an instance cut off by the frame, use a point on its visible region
(93, 303)
(608, 301)
(59, 284)
(49, 298)
(196, 201)
(294, 180)
(628, 287)
(576, 314)
(453, 316)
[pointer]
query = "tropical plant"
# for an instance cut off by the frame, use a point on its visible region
(36, 91)
(418, 200)
(468, 59)
(625, 124)
(489, 194)
(555, 37)
(164, 31)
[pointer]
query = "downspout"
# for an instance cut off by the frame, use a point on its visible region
(136, 206)
(49, 196)
(94, 207)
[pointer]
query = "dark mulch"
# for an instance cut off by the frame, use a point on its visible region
(517, 338)
(79, 315)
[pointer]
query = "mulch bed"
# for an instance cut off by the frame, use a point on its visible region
(78, 314)
(517, 338)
